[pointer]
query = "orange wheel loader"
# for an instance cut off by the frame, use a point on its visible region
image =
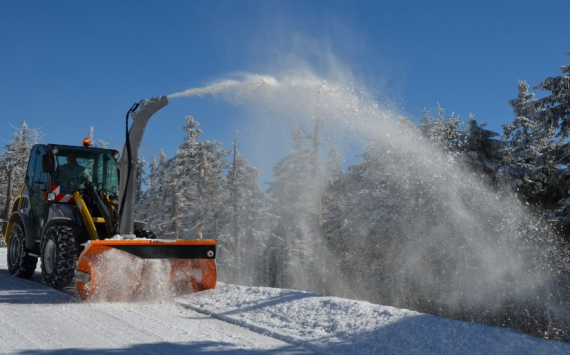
(75, 212)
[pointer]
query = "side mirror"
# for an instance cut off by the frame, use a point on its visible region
(49, 163)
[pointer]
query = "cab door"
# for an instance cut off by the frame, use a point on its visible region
(36, 180)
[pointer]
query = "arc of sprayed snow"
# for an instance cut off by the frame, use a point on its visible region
(226, 85)
(210, 89)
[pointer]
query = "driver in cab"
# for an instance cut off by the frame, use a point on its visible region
(72, 175)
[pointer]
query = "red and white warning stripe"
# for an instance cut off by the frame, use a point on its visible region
(59, 197)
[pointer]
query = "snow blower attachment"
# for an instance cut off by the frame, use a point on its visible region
(143, 269)
(76, 213)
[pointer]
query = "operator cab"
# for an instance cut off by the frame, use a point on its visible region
(71, 168)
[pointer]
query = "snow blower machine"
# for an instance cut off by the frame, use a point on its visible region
(76, 212)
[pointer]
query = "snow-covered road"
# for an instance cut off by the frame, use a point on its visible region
(237, 320)
(35, 319)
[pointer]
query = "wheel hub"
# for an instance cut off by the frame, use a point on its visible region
(49, 256)
(14, 250)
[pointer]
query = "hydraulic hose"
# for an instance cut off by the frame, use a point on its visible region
(129, 160)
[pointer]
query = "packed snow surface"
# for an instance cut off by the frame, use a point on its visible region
(232, 319)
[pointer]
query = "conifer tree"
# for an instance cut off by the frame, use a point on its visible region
(362, 220)
(155, 205)
(13, 164)
(528, 165)
(481, 152)
(183, 182)
(539, 152)
(195, 182)
(553, 114)
(447, 132)
(91, 135)
(242, 222)
(553, 110)
(296, 191)
(210, 188)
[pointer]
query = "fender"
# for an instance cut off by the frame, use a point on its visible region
(31, 233)
(61, 221)
(57, 221)
(8, 225)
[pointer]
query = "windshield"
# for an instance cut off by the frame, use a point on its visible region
(76, 168)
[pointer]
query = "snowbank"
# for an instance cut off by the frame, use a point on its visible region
(331, 325)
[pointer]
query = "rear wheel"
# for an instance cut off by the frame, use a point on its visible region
(59, 253)
(20, 263)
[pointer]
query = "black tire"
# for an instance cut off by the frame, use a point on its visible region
(20, 263)
(59, 254)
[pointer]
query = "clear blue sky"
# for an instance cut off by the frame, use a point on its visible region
(69, 65)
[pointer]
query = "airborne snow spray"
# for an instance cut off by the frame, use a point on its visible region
(439, 240)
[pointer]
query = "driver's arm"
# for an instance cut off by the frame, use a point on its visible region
(86, 176)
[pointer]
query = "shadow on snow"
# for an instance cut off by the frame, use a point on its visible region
(173, 349)
(29, 291)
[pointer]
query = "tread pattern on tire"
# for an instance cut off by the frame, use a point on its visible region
(65, 258)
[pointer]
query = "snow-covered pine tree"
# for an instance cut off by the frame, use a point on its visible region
(143, 207)
(332, 192)
(553, 113)
(13, 163)
(363, 209)
(333, 170)
(481, 152)
(142, 180)
(447, 132)
(155, 205)
(211, 185)
(243, 222)
(528, 165)
(553, 110)
(91, 135)
(184, 171)
(196, 184)
(296, 191)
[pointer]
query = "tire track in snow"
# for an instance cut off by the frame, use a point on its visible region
(15, 332)
(254, 328)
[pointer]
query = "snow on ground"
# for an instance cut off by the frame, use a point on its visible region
(235, 319)
(37, 320)
(330, 325)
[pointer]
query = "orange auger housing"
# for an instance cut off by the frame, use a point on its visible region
(114, 270)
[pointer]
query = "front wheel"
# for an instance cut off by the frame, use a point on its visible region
(59, 254)
(20, 263)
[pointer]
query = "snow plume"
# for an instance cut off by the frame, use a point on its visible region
(303, 93)
(428, 235)
(250, 86)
